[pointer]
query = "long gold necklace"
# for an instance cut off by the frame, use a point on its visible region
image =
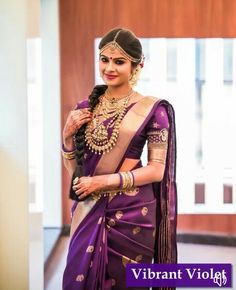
(96, 134)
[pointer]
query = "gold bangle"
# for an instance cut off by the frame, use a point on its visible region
(124, 180)
(131, 179)
(127, 180)
(68, 155)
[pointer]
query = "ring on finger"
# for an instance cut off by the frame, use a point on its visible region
(76, 180)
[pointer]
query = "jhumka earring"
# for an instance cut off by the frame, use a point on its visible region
(136, 73)
(135, 76)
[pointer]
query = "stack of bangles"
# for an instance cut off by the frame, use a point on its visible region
(126, 180)
(126, 185)
(69, 155)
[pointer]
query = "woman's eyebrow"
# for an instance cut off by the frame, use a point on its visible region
(115, 58)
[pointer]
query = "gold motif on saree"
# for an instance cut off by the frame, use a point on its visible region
(144, 211)
(139, 258)
(127, 260)
(154, 233)
(119, 214)
(91, 264)
(133, 192)
(113, 282)
(99, 220)
(99, 194)
(162, 114)
(80, 278)
(159, 136)
(104, 236)
(111, 222)
(136, 230)
(90, 249)
(155, 125)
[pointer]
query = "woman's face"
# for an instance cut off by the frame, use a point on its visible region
(114, 68)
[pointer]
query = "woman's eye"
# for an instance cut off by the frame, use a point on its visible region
(103, 59)
(119, 62)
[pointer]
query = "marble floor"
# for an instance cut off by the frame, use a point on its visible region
(188, 253)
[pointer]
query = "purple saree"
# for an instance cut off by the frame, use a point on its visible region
(134, 227)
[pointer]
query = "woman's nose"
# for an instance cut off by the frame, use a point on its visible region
(110, 66)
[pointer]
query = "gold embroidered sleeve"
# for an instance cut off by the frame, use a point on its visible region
(157, 145)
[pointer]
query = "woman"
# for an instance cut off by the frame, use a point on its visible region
(125, 212)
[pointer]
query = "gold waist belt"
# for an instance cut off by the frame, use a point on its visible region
(110, 193)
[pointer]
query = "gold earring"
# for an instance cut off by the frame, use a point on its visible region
(135, 76)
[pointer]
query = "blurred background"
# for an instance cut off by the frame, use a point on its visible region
(49, 61)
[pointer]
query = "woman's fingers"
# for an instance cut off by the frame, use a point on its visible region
(79, 191)
(85, 194)
(82, 186)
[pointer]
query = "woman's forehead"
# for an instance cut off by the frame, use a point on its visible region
(112, 53)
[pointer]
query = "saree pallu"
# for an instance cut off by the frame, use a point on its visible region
(134, 227)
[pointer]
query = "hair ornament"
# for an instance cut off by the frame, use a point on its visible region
(142, 61)
(113, 45)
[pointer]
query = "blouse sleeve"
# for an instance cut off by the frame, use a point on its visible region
(157, 135)
(82, 104)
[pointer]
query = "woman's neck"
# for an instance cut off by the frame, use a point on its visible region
(117, 92)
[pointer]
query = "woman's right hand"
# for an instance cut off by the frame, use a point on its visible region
(75, 120)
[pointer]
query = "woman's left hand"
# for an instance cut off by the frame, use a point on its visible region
(85, 185)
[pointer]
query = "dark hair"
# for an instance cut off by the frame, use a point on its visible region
(132, 46)
(127, 40)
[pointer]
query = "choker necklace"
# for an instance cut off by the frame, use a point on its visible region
(112, 99)
(96, 133)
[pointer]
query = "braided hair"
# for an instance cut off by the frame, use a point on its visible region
(79, 136)
(131, 45)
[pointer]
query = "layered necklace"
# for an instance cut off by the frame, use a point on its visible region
(96, 133)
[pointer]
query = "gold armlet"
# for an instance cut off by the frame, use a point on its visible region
(157, 154)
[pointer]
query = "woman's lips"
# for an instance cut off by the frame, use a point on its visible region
(110, 77)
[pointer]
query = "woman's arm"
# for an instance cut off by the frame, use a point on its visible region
(75, 120)
(153, 172)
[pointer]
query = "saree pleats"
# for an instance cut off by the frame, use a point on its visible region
(130, 236)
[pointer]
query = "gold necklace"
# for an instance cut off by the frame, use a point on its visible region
(96, 133)
(112, 99)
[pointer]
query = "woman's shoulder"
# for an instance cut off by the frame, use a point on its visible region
(141, 99)
(159, 102)
(150, 98)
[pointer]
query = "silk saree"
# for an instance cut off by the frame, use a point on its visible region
(138, 226)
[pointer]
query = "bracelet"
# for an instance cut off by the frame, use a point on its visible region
(65, 149)
(127, 180)
(69, 155)
(131, 178)
(121, 181)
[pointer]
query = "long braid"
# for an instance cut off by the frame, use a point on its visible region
(79, 136)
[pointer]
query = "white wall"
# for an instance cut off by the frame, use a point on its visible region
(51, 114)
(14, 218)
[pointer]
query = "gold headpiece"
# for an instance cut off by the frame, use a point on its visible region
(113, 45)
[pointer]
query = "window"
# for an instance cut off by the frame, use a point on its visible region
(197, 77)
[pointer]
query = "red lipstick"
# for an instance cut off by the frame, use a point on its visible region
(110, 77)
